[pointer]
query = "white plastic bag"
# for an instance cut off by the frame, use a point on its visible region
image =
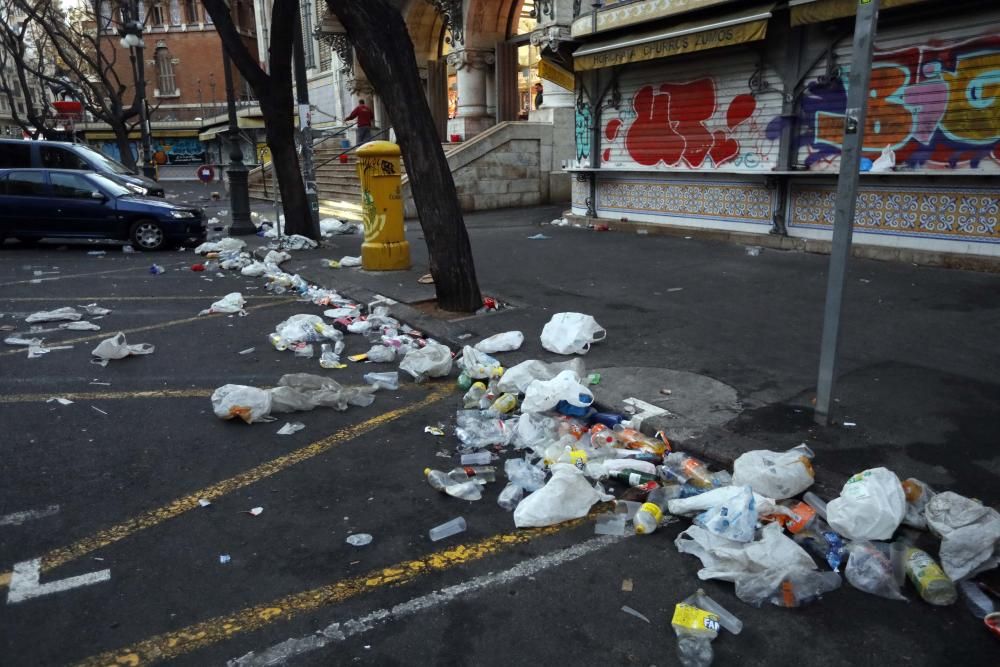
(231, 303)
(884, 162)
(728, 560)
(297, 242)
(300, 328)
(571, 333)
(735, 519)
(117, 347)
(517, 378)
(254, 270)
(720, 496)
(381, 354)
(236, 400)
(478, 365)
(969, 531)
(432, 360)
(228, 243)
(870, 507)
(566, 496)
(777, 475)
(57, 315)
(544, 395)
(869, 570)
(276, 257)
(501, 342)
(348, 261)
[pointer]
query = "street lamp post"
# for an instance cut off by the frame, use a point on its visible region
(239, 191)
(131, 32)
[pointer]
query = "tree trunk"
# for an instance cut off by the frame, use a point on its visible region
(124, 147)
(285, 162)
(386, 55)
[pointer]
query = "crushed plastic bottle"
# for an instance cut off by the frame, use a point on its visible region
(447, 529)
(327, 357)
(389, 381)
(481, 429)
(650, 514)
(279, 343)
(979, 604)
(510, 496)
(474, 395)
(456, 484)
(687, 468)
(929, 579)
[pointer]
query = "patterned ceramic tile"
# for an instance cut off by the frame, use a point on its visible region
(957, 213)
(737, 202)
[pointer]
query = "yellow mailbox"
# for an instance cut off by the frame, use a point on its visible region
(385, 247)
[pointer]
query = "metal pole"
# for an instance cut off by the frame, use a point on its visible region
(239, 191)
(847, 197)
(305, 122)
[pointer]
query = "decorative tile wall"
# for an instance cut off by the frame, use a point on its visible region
(967, 214)
(706, 199)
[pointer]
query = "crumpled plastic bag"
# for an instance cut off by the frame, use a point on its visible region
(501, 342)
(535, 430)
(785, 588)
(735, 519)
(331, 226)
(300, 328)
(349, 261)
(478, 365)
(248, 403)
(523, 474)
(80, 326)
(254, 270)
(303, 391)
(231, 303)
(117, 347)
(969, 532)
(567, 496)
(870, 570)
(777, 475)
(276, 257)
(918, 494)
(517, 378)
(381, 354)
(571, 333)
(542, 395)
(432, 360)
(729, 560)
(57, 315)
(716, 497)
(228, 243)
(870, 507)
(297, 242)
(884, 162)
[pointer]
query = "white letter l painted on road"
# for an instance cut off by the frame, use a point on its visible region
(24, 581)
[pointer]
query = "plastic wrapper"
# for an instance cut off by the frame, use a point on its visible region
(969, 532)
(231, 303)
(571, 333)
(304, 391)
(517, 378)
(66, 314)
(381, 354)
(870, 570)
(870, 507)
(706, 501)
(542, 395)
(432, 360)
(735, 519)
(729, 560)
(786, 588)
(501, 342)
(301, 328)
(223, 245)
(566, 496)
(777, 475)
(478, 365)
(527, 476)
(240, 401)
(117, 347)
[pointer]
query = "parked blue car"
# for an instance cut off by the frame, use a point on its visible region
(51, 203)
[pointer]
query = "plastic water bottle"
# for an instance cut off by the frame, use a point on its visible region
(476, 459)
(474, 395)
(504, 404)
(649, 516)
(327, 358)
(978, 602)
(510, 496)
(447, 529)
(929, 579)
(815, 502)
(688, 469)
(279, 343)
(482, 430)
(602, 436)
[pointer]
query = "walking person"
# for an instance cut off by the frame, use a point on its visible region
(364, 116)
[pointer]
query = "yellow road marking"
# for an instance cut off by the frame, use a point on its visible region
(206, 297)
(153, 517)
(126, 395)
(150, 327)
(172, 644)
(53, 277)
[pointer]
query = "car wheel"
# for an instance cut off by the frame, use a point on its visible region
(147, 235)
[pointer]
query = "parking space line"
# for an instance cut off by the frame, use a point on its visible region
(150, 327)
(172, 644)
(128, 395)
(175, 508)
(49, 279)
(206, 297)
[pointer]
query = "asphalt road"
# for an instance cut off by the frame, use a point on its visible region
(127, 461)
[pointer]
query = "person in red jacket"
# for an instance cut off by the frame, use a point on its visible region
(364, 115)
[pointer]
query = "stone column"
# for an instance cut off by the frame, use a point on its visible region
(558, 103)
(471, 66)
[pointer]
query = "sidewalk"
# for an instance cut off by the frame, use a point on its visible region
(735, 339)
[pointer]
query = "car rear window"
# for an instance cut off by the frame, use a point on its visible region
(26, 184)
(15, 154)
(57, 157)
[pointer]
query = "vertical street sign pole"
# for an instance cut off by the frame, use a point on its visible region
(847, 189)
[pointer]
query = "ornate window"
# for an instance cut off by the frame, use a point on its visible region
(166, 83)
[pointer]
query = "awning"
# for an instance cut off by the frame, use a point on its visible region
(817, 11)
(622, 13)
(556, 74)
(210, 134)
(737, 28)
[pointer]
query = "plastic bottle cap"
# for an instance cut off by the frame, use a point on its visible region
(427, 472)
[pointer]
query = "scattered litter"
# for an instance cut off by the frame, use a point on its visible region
(97, 253)
(204, 503)
(80, 326)
(224, 558)
(502, 342)
(447, 529)
(359, 539)
(674, 289)
(426, 279)
(610, 524)
(628, 610)
(295, 392)
(435, 430)
(871, 506)
(249, 350)
(539, 237)
(156, 269)
(291, 427)
(754, 250)
(117, 347)
(627, 585)
(432, 360)
(231, 303)
(348, 262)
(103, 384)
(26, 342)
(127, 249)
(60, 401)
(94, 407)
(571, 333)
(850, 424)
(58, 315)
(255, 511)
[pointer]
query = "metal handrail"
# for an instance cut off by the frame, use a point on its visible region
(352, 148)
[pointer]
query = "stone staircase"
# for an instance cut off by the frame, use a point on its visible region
(337, 182)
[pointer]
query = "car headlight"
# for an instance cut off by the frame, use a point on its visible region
(181, 214)
(138, 189)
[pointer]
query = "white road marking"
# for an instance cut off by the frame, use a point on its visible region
(280, 653)
(17, 518)
(24, 581)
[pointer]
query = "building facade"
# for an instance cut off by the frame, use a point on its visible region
(730, 115)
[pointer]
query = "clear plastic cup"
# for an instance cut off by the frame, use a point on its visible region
(447, 529)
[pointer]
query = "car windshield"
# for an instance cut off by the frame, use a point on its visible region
(113, 188)
(104, 162)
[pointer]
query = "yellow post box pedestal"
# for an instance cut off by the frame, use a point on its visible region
(385, 247)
